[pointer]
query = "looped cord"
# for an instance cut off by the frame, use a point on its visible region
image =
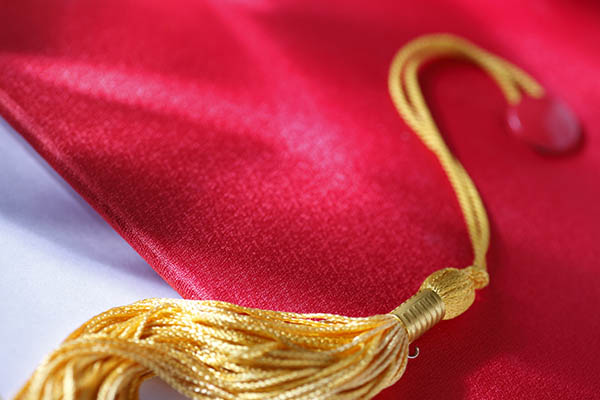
(408, 99)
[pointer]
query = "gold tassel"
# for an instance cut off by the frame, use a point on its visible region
(216, 350)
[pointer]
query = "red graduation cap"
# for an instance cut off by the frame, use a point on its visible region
(251, 154)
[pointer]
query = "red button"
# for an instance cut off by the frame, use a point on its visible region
(547, 124)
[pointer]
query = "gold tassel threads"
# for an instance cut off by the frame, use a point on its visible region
(215, 350)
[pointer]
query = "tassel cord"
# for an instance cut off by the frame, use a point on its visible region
(409, 101)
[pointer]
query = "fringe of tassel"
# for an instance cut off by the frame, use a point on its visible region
(216, 350)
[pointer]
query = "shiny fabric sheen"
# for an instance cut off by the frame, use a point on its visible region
(250, 153)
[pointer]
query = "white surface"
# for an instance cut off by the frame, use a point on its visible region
(60, 264)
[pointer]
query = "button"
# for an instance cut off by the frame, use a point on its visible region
(547, 124)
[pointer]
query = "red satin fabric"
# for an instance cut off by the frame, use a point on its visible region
(250, 152)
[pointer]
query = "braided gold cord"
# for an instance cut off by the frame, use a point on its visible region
(455, 287)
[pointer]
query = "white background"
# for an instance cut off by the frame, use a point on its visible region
(60, 264)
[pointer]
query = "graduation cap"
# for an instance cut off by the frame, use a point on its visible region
(252, 155)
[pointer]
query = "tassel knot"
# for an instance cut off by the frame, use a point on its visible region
(455, 287)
